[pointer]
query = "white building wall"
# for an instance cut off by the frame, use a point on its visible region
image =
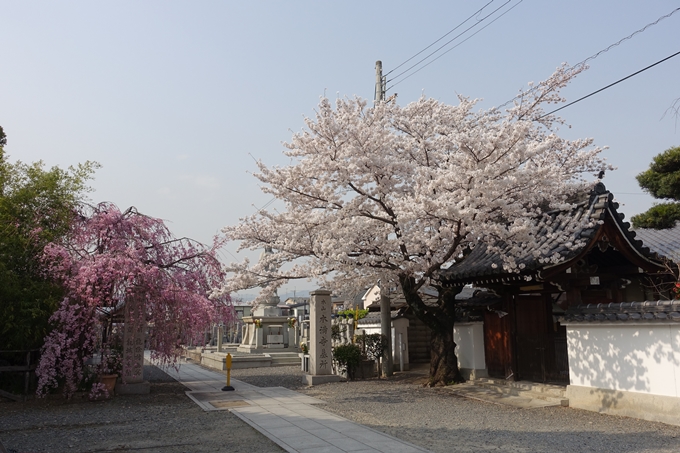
(469, 339)
(399, 326)
(643, 358)
(626, 369)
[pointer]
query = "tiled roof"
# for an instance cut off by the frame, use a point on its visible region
(374, 317)
(663, 242)
(654, 311)
(483, 264)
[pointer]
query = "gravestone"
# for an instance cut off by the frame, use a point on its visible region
(320, 348)
(220, 333)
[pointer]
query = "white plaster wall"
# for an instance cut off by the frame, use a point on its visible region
(399, 326)
(469, 338)
(642, 358)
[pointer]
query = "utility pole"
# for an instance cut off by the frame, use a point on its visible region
(380, 82)
(385, 309)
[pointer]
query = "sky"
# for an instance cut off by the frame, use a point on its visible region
(177, 100)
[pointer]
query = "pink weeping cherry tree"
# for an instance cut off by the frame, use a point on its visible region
(111, 257)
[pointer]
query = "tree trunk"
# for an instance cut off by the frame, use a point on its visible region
(443, 361)
(440, 318)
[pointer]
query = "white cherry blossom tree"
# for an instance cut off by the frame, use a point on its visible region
(398, 193)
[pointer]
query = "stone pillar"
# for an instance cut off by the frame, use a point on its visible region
(320, 349)
(293, 341)
(259, 337)
(386, 329)
(220, 332)
(133, 348)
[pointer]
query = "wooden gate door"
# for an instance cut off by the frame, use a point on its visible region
(539, 348)
(497, 345)
(530, 318)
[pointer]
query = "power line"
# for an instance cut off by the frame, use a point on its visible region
(592, 57)
(449, 50)
(610, 85)
(444, 36)
(595, 55)
(450, 41)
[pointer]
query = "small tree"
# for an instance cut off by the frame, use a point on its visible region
(37, 206)
(662, 181)
(397, 193)
(110, 258)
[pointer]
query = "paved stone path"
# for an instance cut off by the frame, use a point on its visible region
(286, 417)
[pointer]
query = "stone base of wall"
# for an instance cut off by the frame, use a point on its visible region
(216, 362)
(310, 379)
(655, 408)
(471, 374)
(192, 354)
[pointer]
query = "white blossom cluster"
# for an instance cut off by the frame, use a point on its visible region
(385, 191)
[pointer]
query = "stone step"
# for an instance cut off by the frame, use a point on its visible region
(285, 362)
(553, 394)
(490, 395)
(551, 390)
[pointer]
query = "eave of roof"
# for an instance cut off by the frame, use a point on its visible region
(648, 311)
(484, 268)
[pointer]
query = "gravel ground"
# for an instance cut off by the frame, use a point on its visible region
(434, 418)
(167, 421)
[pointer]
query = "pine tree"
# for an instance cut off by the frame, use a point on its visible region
(662, 181)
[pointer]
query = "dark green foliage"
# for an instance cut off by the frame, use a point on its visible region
(662, 180)
(350, 313)
(659, 216)
(348, 358)
(336, 331)
(36, 207)
(373, 345)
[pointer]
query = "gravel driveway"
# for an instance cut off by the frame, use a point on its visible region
(167, 421)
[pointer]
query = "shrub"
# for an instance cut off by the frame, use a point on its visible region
(373, 345)
(348, 358)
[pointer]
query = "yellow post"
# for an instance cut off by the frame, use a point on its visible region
(227, 362)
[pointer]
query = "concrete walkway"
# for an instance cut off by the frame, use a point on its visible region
(286, 417)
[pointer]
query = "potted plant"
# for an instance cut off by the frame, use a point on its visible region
(109, 368)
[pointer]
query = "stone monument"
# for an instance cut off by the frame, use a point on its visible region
(134, 334)
(266, 329)
(320, 348)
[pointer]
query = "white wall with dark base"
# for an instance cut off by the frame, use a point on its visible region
(629, 369)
